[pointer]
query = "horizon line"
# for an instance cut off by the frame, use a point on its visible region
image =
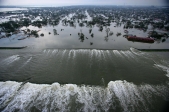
(80, 5)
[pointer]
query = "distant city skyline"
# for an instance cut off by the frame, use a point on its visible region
(84, 2)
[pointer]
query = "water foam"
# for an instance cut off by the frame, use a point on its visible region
(164, 68)
(90, 52)
(117, 53)
(7, 90)
(10, 59)
(71, 97)
(137, 52)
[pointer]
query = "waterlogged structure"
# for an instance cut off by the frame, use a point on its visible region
(80, 61)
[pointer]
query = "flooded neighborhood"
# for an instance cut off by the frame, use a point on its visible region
(86, 26)
(84, 58)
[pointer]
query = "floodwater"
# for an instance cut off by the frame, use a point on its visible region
(69, 39)
(11, 9)
(61, 73)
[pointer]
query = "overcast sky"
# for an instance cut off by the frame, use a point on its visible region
(85, 2)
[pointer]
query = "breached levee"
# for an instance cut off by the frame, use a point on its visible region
(13, 47)
(68, 64)
(117, 96)
(99, 53)
(104, 80)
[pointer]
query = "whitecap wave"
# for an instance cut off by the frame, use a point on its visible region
(164, 68)
(71, 97)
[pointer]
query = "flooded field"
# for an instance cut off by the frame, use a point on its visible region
(69, 69)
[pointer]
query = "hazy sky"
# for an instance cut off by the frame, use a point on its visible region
(85, 2)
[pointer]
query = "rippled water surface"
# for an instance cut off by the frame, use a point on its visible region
(83, 80)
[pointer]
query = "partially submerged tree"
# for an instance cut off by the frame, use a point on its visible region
(106, 38)
(107, 31)
(118, 34)
(111, 33)
(92, 35)
(55, 31)
(101, 28)
(81, 36)
(41, 34)
(90, 30)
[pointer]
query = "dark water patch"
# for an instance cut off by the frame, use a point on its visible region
(84, 66)
(154, 50)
